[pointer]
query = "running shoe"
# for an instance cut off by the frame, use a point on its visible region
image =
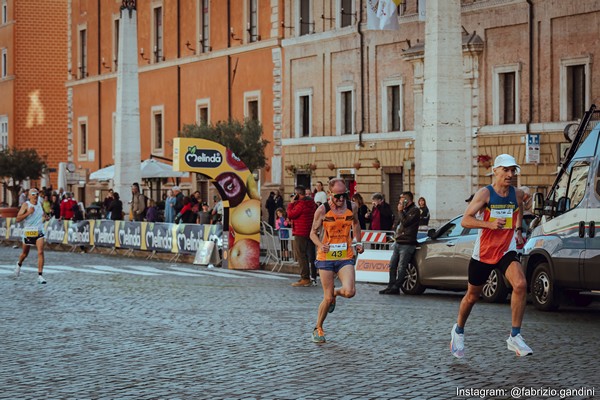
(318, 335)
(313, 282)
(331, 306)
(41, 280)
(457, 343)
(518, 345)
(17, 270)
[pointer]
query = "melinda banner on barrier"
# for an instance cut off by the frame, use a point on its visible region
(79, 233)
(162, 237)
(56, 231)
(3, 228)
(104, 233)
(159, 237)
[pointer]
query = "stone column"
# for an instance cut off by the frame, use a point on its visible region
(444, 162)
(127, 128)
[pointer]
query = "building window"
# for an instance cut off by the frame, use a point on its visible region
(303, 112)
(157, 126)
(204, 24)
(505, 93)
(203, 111)
(116, 26)
(345, 13)
(3, 132)
(83, 138)
(252, 105)
(82, 63)
(252, 25)
(392, 106)
(4, 12)
(575, 87)
(507, 98)
(4, 71)
(303, 23)
(345, 111)
(158, 34)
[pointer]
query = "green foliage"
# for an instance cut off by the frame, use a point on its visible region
(17, 166)
(244, 139)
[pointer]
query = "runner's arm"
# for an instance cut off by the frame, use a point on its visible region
(481, 198)
(356, 228)
(23, 213)
(519, 225)
(317, 224)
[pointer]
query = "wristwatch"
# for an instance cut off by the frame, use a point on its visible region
(519, 229)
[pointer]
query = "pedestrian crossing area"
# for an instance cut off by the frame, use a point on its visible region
(144, 270)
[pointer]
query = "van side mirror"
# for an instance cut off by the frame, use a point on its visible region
(563, 205)
(431, 233)
(538, 204)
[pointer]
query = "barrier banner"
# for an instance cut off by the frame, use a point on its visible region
(129, 235)
(104, 233)
(3, 229)
(207, 254)
(79, 233)
(15, 230)
(159, 237)
(189, 238)
(373, 266)
(56, 231)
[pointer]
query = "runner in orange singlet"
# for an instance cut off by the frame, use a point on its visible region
(338, 219)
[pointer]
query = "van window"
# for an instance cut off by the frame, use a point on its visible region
(578, 183)
(598, 182)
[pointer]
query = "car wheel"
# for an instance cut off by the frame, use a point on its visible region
(494, 290)
(543, 290)
(411, 283)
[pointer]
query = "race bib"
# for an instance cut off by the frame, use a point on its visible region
(32, 232)
(505, 213)
(337, 251)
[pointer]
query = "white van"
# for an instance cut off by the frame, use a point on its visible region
(562, 255)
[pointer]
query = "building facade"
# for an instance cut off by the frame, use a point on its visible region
(353, 98)
(33, 63)
(199, 61)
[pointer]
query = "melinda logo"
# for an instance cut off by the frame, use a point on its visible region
(203, 158)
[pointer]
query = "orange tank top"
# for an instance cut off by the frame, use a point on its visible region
(336, 233)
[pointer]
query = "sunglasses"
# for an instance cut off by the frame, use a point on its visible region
(34, 194)
(339, 196)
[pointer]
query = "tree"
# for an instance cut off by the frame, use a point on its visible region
(17, 166)
(244, 139)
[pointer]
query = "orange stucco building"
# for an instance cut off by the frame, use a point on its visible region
(198, 60)
(33, 59)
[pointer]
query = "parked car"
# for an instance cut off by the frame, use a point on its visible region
(442, 262)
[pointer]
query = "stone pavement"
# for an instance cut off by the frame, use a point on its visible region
(107, 327)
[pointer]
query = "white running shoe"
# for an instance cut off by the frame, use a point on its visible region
(17, 270)
(41, 280)
(518, 345)
(457, 343)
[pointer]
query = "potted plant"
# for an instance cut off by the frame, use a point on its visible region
(331, 166)
(484, 160)
(376, 164)
(17, 166)
(357, 165)
(313, 167)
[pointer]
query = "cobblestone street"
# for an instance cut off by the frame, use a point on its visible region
(114, 327)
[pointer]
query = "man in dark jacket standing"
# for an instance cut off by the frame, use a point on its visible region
(405, 242)
(301, 212)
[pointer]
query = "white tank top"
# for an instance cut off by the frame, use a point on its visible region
(34, 221)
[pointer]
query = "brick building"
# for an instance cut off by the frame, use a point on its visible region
(353, 98)
(33, 64)
(199, 60)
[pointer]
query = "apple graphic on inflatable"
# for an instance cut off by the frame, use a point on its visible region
(245, 254)
(231, 187)
(245, 219)
(234, 161)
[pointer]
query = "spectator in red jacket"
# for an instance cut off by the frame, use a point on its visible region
(301, 211)
(66, 207)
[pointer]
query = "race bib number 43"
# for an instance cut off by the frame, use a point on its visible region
(337, 251)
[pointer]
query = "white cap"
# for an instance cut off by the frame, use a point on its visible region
(506, 160)
(175, 188)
